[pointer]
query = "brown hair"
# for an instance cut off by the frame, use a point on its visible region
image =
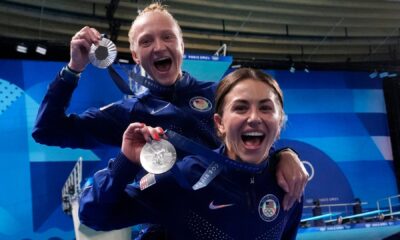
(235, 77)
(154, 7)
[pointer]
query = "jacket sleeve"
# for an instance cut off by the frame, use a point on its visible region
(275, 155)
(104, 204)
(293, 221)
(87, 130)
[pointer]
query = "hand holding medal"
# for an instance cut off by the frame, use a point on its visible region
(143, 144)
(88, 45)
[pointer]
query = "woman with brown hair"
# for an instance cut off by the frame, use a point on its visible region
(236, 204)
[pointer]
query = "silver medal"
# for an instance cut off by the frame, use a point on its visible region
(104, 54)
(158, 156)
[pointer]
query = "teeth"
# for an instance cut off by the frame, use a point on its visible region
(161, 59)
(253, 134)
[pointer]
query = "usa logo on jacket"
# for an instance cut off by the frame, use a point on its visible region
(268, 208)
(201, 104)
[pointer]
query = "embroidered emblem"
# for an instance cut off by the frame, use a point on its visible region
(147, 181)
(154, 111)
(201, 104)
(213, 206)
(268, 209)
(106, 106)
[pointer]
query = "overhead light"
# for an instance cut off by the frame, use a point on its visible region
(236, 66)
(292, 69)
(306, 69)
(374, 74)
(383, 74)
(41, 50)
(22, 48)
(121, 60)
(392, 75)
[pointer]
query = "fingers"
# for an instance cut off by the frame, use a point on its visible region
(297, 189)
(160, 130)
(156, 133)
(80, 47)
(305, 178)
(288, 185)
(88, 35)
(288, 201)
(148, 133)
(85, 38)
(301, 182)
(133, 129)
(294, 188)
(282, 182)
(291, 175)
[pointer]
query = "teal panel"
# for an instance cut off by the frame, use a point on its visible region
(343, 149)
(369, 101)
(206, 68)
(334, 101)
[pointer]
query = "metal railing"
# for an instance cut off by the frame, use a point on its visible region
(392, 205)
(72, 187)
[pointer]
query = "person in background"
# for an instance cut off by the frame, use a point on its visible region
(237, 204)
(340, 220)
(357, 209)
(317, 211)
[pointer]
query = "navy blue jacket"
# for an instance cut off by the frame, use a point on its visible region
(235, 205)
(186, 107)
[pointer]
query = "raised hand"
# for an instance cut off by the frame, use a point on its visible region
(80, 47)
(135, 137)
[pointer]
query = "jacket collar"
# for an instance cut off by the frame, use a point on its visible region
(160, 90)
(241, 164)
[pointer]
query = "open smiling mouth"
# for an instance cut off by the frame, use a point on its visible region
(252, 139)
(163, 64)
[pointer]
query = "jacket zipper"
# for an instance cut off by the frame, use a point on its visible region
(251, 199)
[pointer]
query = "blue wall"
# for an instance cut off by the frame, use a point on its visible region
(336, 121)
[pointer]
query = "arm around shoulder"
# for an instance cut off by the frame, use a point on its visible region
(291, 175)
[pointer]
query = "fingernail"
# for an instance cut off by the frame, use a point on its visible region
(156, 137)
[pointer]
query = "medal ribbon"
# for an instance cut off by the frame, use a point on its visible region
(216, 160)
(190, 146)
(144, 81)
(211, 172)
(151, 84)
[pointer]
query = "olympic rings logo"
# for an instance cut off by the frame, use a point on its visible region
(311, 170)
